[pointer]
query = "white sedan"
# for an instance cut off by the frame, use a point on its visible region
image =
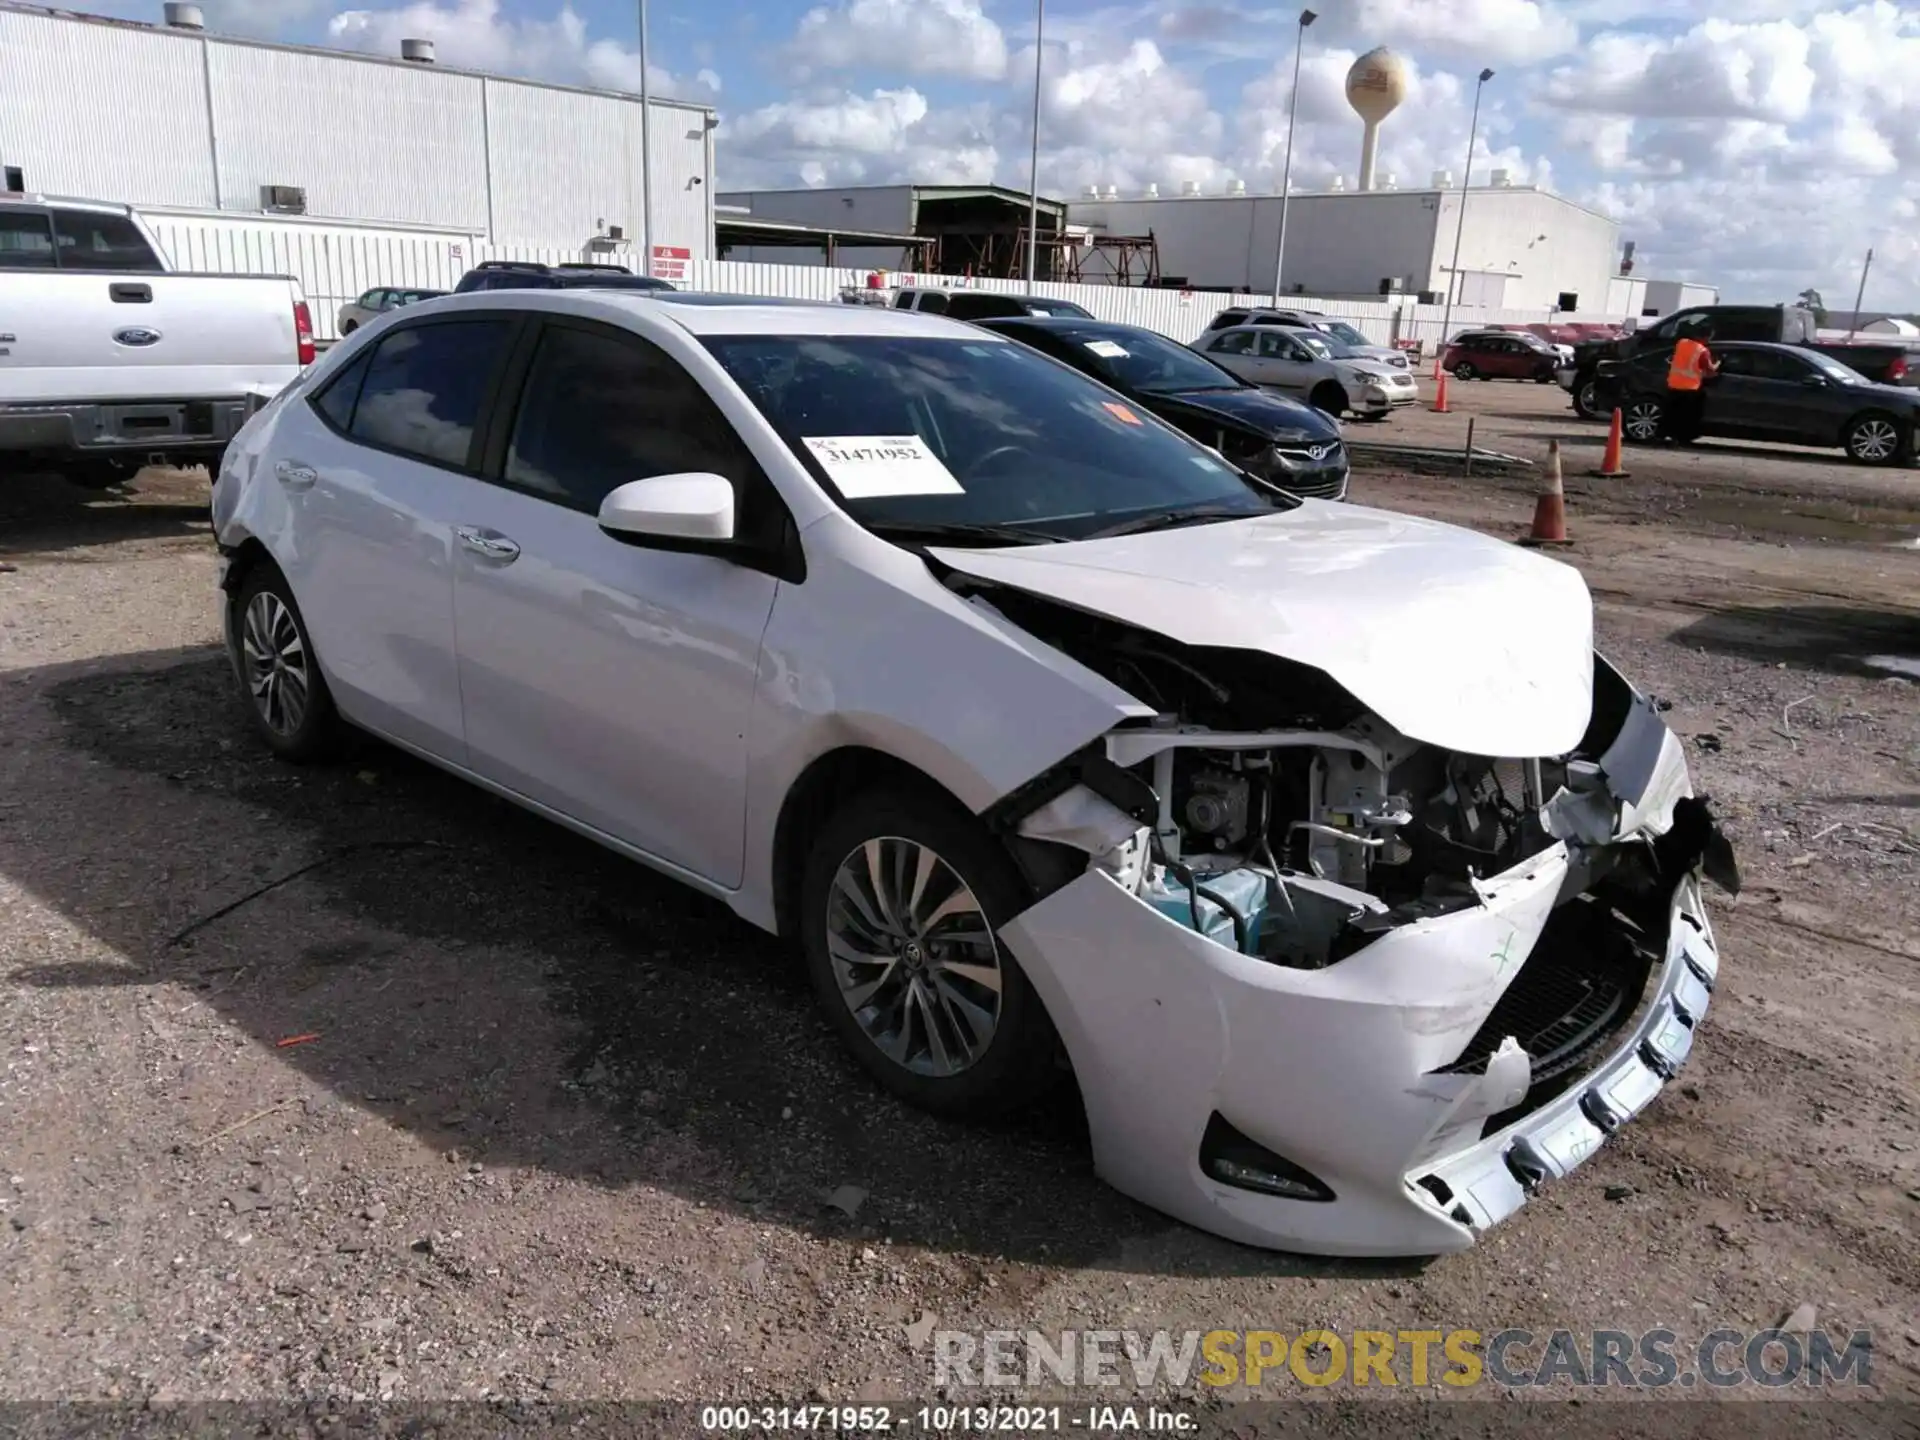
(1314, 366)
(1035, 725)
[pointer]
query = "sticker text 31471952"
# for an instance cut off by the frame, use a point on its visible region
(866, 467)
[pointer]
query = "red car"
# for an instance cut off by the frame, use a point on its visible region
(1501, 355)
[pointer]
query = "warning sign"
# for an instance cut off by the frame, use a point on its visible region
(1186, 297)
(670, 262)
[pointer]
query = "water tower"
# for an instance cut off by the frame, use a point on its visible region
(1376, 85)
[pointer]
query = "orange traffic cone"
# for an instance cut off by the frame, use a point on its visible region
(1440, 394)
(1610, 466)
(1550, 510)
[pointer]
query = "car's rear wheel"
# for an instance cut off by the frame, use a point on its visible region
(1587, 400)
(1876, 440)
(1330, 398)
(287, 696)
(349, 327)
(902, 897)
(1641, 420)
(1465, 371)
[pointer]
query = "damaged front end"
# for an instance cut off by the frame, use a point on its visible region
(1326, 987)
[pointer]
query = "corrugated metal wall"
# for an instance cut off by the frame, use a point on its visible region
(123, 111)
(136, 114)
(336, 264)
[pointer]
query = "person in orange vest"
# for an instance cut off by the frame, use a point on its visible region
(1692, 366)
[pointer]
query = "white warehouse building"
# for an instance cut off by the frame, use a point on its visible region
(172, 119)
(1523, 248)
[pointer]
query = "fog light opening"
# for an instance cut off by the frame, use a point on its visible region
(1231, 1158)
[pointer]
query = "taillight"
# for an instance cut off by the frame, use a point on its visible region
(1899, 368)
(303, 331)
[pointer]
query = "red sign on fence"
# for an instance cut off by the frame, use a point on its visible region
(670, 262)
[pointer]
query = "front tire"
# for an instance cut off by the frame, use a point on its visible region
(1329, 398)
(1875, 440)
(1586, 399)
(1641, 421)
(1465, 371)
(902, 897)
(287, 696)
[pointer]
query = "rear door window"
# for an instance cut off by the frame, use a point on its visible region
(1240, 342)
(425, 388)
(26, 240)
(94, 240)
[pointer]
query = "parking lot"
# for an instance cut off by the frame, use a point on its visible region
(357, 1082)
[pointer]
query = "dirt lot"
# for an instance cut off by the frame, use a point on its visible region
(555, 1128)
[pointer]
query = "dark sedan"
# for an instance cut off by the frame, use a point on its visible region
(1782, 393)
(1292, 445)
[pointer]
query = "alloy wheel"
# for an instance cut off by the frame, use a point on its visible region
(276, 663)
(1642, 421)
(914, 956)
(1873, 440)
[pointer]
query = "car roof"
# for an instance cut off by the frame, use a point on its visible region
(1067, 325)
(710, 313)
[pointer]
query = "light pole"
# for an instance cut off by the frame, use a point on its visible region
(646, 153)
(1307, 17)
(1860, 295)
(1460, 229)
(1033, 170)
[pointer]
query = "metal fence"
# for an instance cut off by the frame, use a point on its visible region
(335, 264)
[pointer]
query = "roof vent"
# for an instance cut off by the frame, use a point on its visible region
(181, 16)
(1443, 179)
(1093, 192)
(1503, 179)
(1389, 181)
(1153, 192)
(420, 52)
(1339, 183)
(1237, 187)
(1113, 192)
(1190, 187)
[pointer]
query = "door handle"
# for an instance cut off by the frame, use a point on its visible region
(296, 476)
(124, 292)
(487, 544)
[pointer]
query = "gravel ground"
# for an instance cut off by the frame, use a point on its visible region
(355, 1082)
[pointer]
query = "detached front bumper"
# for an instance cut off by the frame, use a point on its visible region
(1385, 1083)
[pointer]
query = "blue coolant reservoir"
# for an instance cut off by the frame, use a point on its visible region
(1243, 890)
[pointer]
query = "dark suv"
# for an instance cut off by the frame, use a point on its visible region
(526, 275)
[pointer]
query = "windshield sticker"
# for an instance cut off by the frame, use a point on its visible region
(1107, 350)
(865, 467)
(1204, 463)
(1120, 413)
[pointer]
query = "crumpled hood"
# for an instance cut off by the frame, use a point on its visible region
(1372, 369)
(1259, 410)
(1451, 637)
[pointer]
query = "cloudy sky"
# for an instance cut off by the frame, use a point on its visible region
(1762, 145)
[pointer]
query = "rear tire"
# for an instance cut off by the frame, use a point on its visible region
(1586, 399)
(349, 327)
(1330, 398)
(1876, 438)
(941, 1014)
(287, 697)
(1641, 421)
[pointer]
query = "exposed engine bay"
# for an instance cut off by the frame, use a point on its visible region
(1267, 810)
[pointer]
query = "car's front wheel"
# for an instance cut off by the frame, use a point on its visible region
(1875, 440)
(287, 697)
(1587, 400)
(1465, 371)
(1641, 421)
(902, 899)
(1329, 398)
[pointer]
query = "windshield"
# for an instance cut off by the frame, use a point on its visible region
(1149, 362)
(1324, 347)
(1064, 309)
(925, 432)
(1344, 333)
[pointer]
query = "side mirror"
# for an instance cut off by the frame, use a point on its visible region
(671, 507)
(1814, 382)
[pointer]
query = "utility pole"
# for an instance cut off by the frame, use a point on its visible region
(646, 153)
(1033, 171)
(1861, 294)
(1307, 17)
(1466, 183)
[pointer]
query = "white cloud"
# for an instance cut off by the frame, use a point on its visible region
(884, 137)
(906, 37)
(473, 34)
(1484, 32)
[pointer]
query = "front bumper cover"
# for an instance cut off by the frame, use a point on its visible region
(1348, 1072)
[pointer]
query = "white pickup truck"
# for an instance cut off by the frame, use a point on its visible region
(110, 361)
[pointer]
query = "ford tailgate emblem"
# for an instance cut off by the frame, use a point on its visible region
(136, 335)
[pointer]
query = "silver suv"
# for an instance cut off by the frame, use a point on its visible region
(1353, 339)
